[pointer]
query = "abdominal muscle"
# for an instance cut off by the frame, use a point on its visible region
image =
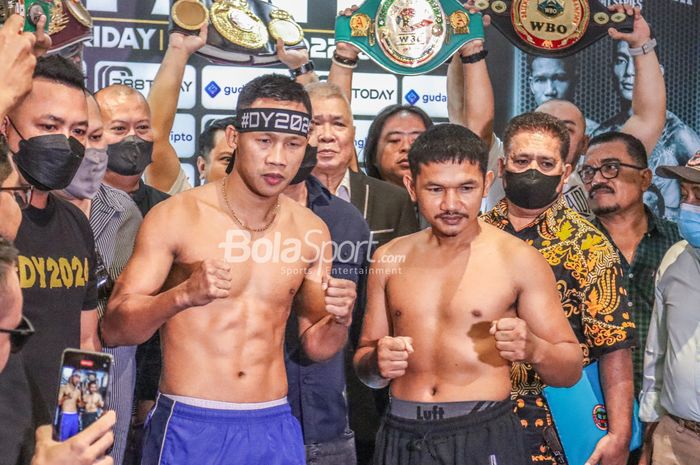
(230, 351)
(449, 367)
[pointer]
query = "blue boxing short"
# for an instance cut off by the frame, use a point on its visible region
(183, 431)
(69, 426)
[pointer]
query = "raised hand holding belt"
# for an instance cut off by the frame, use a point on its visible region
(240, 31)
(409, 36)
(553, 28)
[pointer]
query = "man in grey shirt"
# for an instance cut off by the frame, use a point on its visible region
(670, 402)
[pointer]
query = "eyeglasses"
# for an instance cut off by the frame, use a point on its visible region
(104, 281)
(20, 335)
(22, 194)
(609, 170)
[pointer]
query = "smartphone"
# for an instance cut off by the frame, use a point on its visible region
(82, 391)
(32, 11)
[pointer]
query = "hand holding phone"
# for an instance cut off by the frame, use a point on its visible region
(82, 392)
(88, 447)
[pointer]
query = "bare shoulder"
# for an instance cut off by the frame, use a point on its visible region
(303, 217)
(516, 253)
(400, 246)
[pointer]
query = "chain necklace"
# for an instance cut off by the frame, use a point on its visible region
(242, 223)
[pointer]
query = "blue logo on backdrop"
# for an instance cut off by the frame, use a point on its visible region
(212, 89)
(412, 97)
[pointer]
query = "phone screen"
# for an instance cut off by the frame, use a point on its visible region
(82, 391)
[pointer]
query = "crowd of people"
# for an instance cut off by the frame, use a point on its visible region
(298, 307)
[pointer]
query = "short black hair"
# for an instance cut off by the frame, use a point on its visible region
(208, 136)
(536, 121)
(5, 165)
(634, 146)
(375, 132)
(275, 87)
(8, 259)
(447, 143)
(58, 69)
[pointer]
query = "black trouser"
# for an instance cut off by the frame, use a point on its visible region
(488, 437)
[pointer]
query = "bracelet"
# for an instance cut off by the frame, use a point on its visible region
(344, 62)
(474, 57)
(646, 47)
(303, 69)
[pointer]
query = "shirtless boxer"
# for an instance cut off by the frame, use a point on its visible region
(69, 395)
(448, 309)
(223, 317)
(93, 402)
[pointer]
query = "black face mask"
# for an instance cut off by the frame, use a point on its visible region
(49, 162)
(130, 156)
(531, 189)
(307, 165)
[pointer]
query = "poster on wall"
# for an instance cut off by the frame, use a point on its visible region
(130, 38)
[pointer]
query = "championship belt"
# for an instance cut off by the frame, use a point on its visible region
(409, 36)
(241, 32)
(70, 22)
(553, 28)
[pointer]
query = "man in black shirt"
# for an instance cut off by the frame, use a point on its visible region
(127, 131)
(46, 133)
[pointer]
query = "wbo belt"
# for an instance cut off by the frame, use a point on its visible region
(69, 22)
(240, 31)
(693, 426)
(409, 36)
(553, 28)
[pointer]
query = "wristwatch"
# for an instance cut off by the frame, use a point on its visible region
(303, 69)
(646, 47)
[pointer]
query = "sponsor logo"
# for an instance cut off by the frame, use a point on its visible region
(230, 81)
(429, 92)
(135, 38)
(372, 92)
(212, 89)
(361, 130)
(182, 135)
(140, 76)
(412, 97)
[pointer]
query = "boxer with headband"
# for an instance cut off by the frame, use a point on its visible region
(237, 300)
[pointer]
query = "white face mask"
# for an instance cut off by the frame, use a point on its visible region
(87, 180)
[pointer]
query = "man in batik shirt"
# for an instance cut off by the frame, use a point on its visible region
(588, 274)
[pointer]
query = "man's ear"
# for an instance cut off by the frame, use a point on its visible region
(488, 182)
(231, 136)
(567, 172)
(201, 166)
(4, 125)
(410, 187)
(646, 178)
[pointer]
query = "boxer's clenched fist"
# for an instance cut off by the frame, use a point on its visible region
(210, 281)
(392, 356)
(514, 340)
(340, 299)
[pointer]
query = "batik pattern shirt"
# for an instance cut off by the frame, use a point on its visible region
(588, 277)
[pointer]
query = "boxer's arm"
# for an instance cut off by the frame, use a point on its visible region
(136, 309)
(649, 92)
(557, 355)
(162, 99)
(375, 326)
(323, 327)
(342, 75)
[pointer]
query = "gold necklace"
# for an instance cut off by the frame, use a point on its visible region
(239, 221)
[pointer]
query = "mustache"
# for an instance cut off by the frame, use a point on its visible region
(600, 187)
(451, 213)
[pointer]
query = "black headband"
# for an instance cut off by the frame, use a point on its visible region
(273, 120)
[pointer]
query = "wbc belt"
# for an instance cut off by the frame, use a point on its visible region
(553, 28)
(240, 31)
(409, 36)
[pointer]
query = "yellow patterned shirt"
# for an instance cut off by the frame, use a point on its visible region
(588, 273)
